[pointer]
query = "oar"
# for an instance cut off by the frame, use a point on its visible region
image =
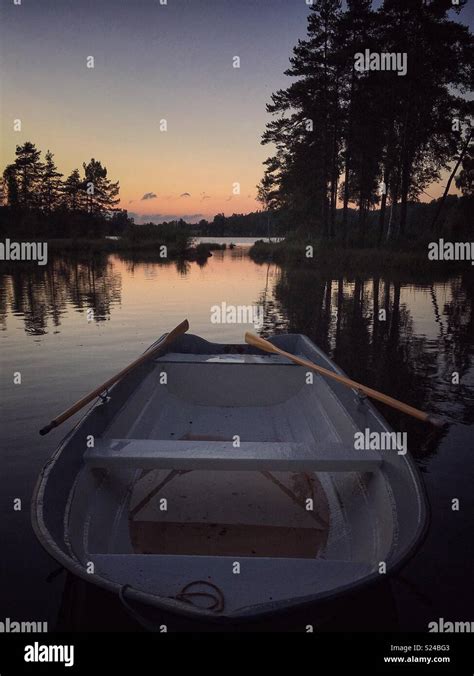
(266, 346)
(166, 340)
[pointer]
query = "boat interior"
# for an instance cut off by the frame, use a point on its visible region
(219, 459)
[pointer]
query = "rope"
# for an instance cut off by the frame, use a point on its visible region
(184, 595)
(188, 596)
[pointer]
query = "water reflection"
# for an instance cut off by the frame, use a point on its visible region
(151, 263)
(43, 294)
(394, 332)
(403, 338)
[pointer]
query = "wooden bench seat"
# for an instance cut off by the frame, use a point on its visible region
(253, 455)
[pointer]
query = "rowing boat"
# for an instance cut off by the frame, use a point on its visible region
(220, 482)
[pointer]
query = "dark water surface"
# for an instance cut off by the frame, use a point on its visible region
(74, 323)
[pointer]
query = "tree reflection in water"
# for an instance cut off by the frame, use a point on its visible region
(374, 326)
(344, 316)
(40, 295)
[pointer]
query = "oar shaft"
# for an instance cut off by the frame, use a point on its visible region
(166, 340)
(265, 345)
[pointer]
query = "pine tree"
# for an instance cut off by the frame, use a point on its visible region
(389, 134)
(307, 125)
(10, 186)
(363, 128)
(50, 184)
(355, 33)
(465, 180)
(101, 194)
(73, 192)
(426, 100)
(29, 171)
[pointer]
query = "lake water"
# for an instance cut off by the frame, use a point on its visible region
(72, 324)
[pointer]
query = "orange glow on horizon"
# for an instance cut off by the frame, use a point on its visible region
(209, 181)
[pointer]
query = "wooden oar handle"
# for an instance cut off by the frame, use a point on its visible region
(174, 333)
(47, 428)
(166, 340)
(260, 343)
(265, 345)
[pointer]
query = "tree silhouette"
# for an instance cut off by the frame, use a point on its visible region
(34, 195)
(51, 186)
(465, 180)
(28, 170)
(388, 133)
(11, 191)
(73, 192)
(102, 194)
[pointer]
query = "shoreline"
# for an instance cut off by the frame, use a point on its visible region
(349, 259)
(289, 253)
(151, 248)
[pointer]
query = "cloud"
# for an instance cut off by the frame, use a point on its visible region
(185, 194)
(149, 196)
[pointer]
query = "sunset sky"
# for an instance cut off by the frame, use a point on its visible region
(152, 62)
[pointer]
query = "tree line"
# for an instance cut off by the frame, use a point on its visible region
(38, 195)
(346, 136)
